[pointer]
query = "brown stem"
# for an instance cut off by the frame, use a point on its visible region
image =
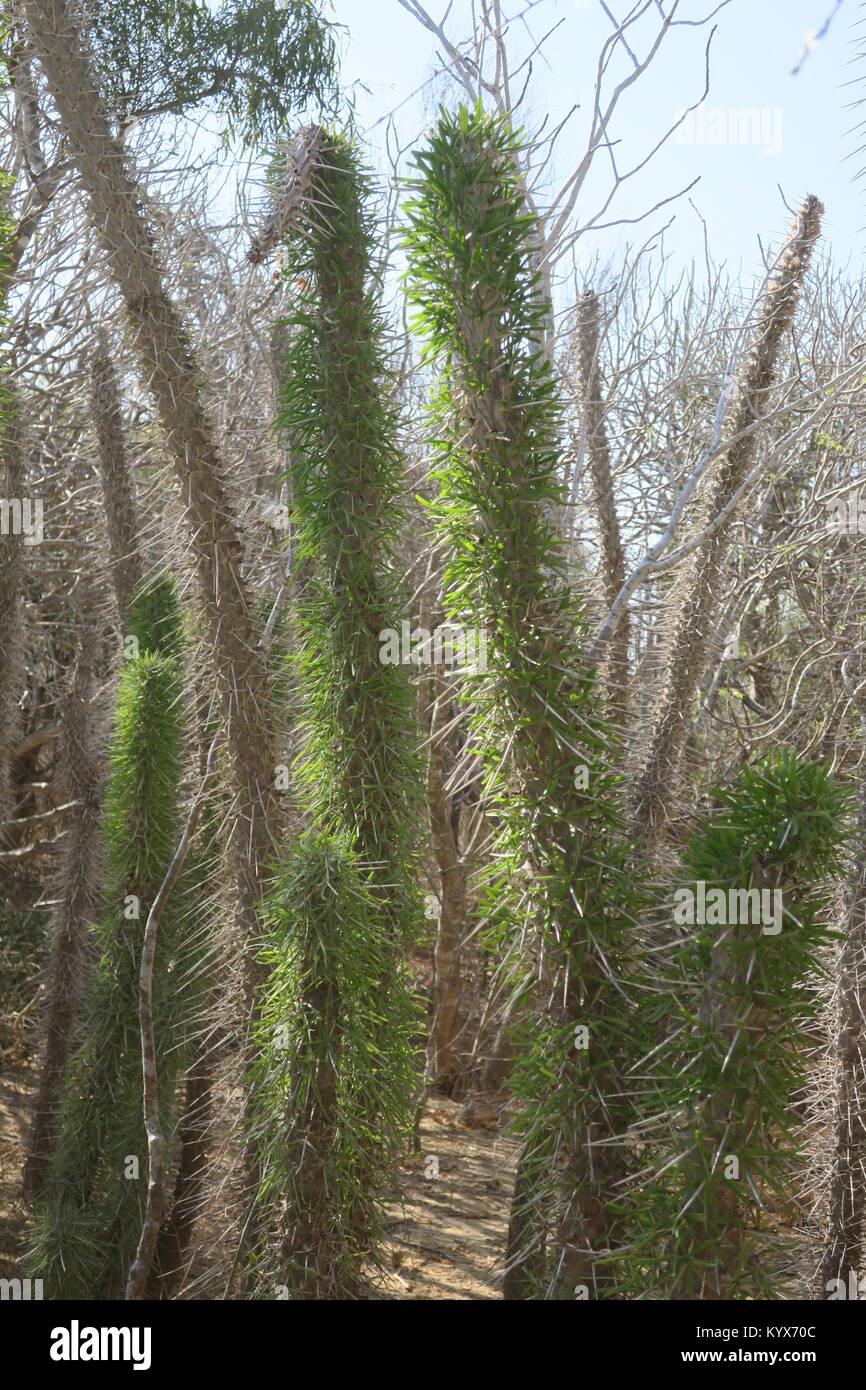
(693, 628)
(842, 1255)
(447, 1021)
(604, 496)
(169, 369)
(117, 488)
(156, 1195)
(71, 951)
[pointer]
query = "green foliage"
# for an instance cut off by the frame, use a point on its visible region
(785, 813)
(358, 904)
(155, 618)
(360, 767)
(258, 61)
(140, 809)
(323, 1074)
(534, 715)
(90, 1216)
(745, 1001)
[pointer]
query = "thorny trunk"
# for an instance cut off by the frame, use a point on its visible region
(169, 370)
(694, 624)
(11, 579)
(157, 1195)
(72, 951)
(306, 1237)
(448, 1069)
(189, 1187)
(723, 1124)
(604, 500)
(713, 1131)
(117, 488)
(541, 750)
(843, 1251)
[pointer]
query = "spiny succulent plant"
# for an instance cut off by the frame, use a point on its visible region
(89, 1212)
(748, 908)
(360, 767)
(557, 870)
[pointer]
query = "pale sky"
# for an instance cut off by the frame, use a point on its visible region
(795, 140)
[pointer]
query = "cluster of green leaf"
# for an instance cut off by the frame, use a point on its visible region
(256, 61)
(341, 428)
(738, 1038)
(154, 619)
(89, 1217)
(534, 714)
(334, 1064)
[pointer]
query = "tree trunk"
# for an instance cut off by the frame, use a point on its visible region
(447, 1020)
(842, 1254)
(72, 950)
(117, 488)
(168, 366)
(617, 673)
(11, 578)
(694, 622)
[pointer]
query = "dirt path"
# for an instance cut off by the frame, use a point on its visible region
(17, 1083)
(448, 1235)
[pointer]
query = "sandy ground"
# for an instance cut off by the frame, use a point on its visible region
(17, 1083)
(447, 1231)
